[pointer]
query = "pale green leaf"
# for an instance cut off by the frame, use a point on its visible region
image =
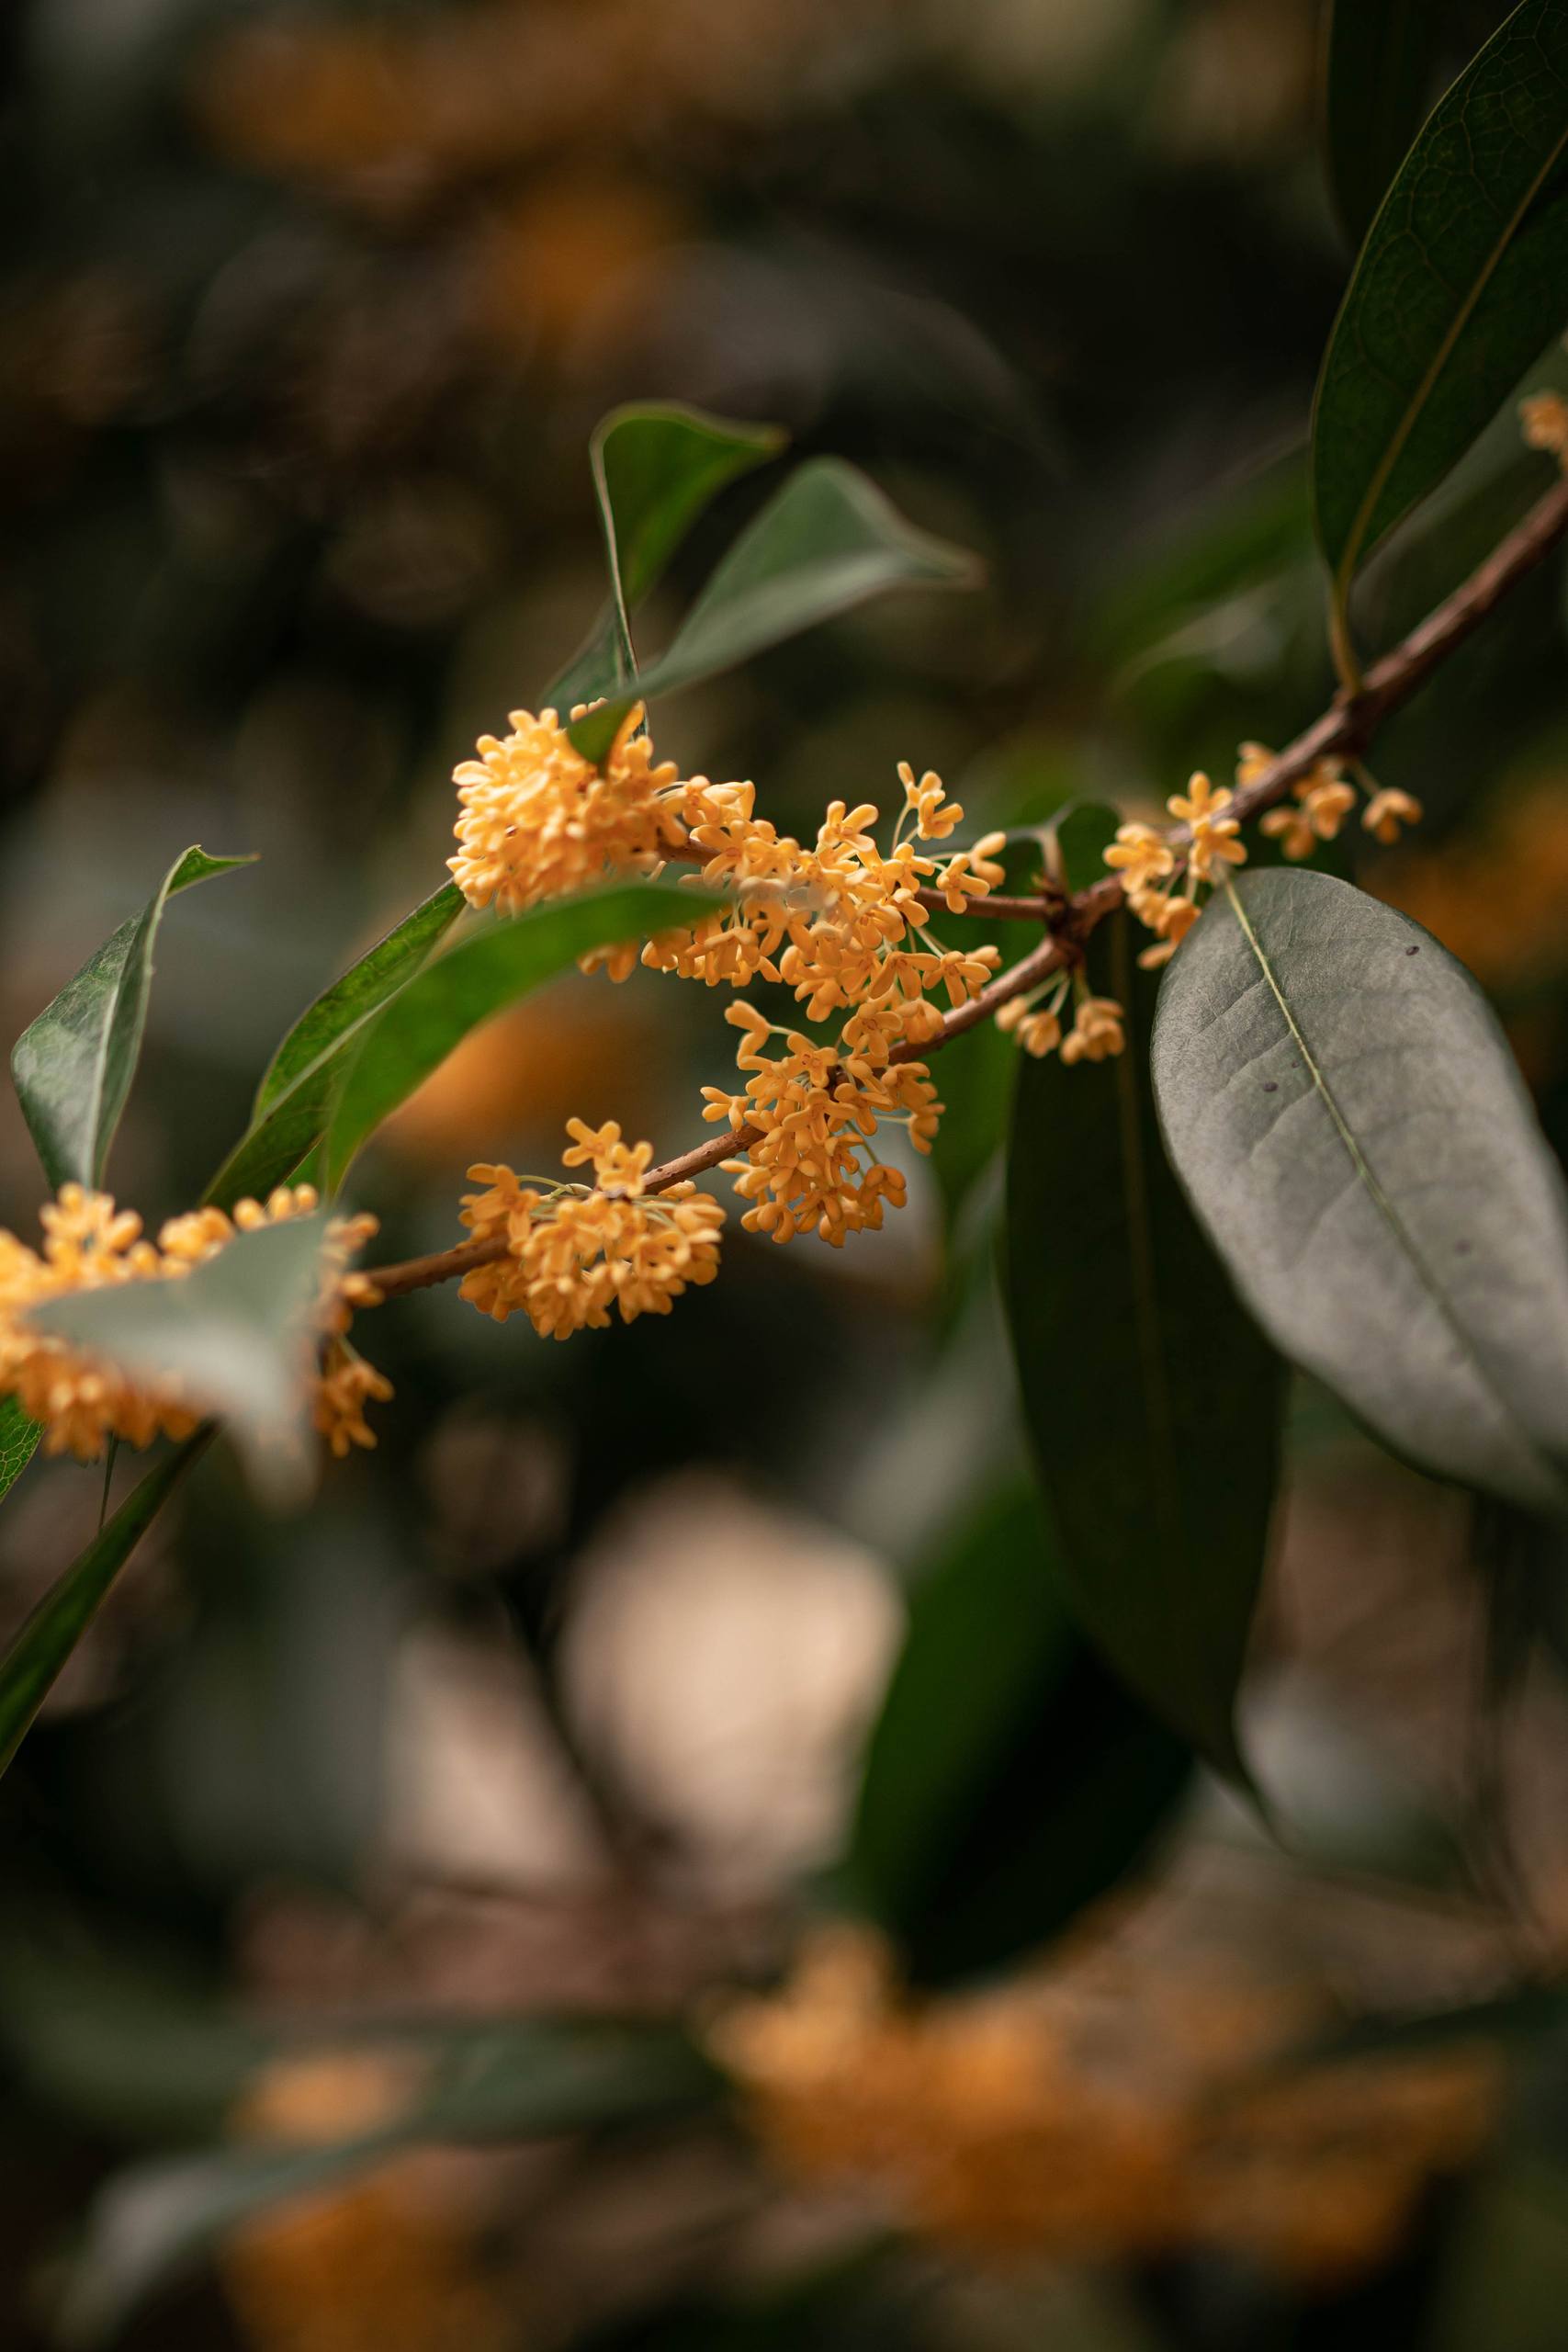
(18, 1442)
(295, 1096)
(230, 1332)
(416, 1031)
(74, 1065)
(1344, 1111)
(49, 1635)
(826, 542)
(657, 465)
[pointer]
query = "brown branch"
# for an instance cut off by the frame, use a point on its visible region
(1342, 732)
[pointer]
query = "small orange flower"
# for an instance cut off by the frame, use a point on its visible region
(1544, 420)
(1202, 810)
(1097, 1033)
(1387, 811)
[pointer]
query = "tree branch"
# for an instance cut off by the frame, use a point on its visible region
(1343, 731)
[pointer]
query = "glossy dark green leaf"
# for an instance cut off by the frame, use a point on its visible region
(828, 541)
(502, 2080)
(18, 1442)
(51, 1631)
(295, 1096)
(416, 1031)
(656, 467)
(1345, 1112)
(1153, 1405)
(230, 1332)
(74, 1065)
(1461, 284)
(1011, 1779)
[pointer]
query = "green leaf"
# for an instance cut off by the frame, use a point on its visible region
(294, 1097)
(51, 1631)
(74, 1066)
(829, 540)
(1151, 1403)
(656, 467)
(230, 1331)
(1462, 282)
(1009, 1780)
(18, 1442)
(418, 1029)
(489, 2081)
(1343, 1110)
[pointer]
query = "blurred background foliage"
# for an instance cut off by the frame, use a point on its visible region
(556, 1704)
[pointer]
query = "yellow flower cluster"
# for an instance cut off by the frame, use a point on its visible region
(844, 926)
(573, 1251)
(834, 922)
(1108, 2109)
(538, 820)
(1324, 797)
(81, 1402)
(1036, 1019)
(812, 1115)
(1150, 861)
(1146, 860)
(1544, 421)
(1320, 802)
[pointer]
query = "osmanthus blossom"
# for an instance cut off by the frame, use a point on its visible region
(81, 1400)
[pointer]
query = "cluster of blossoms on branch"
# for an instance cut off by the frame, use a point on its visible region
(573, 1251)
(81, 1402)
(846, 925)
(1151, 862)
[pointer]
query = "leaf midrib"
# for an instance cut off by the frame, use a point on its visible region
(1367, 1176)
(1356, 539)
(97, 1153)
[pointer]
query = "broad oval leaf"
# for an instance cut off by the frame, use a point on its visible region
(418, 1029)
(656, 467)
(295, 1096)
(1011, 1779)
(1343, 1110)
(829, 540)
(18, 1442)
(230, 1331)
(30, 1666)
(1152, 1402)
(74, 1063)
(1461, 284)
